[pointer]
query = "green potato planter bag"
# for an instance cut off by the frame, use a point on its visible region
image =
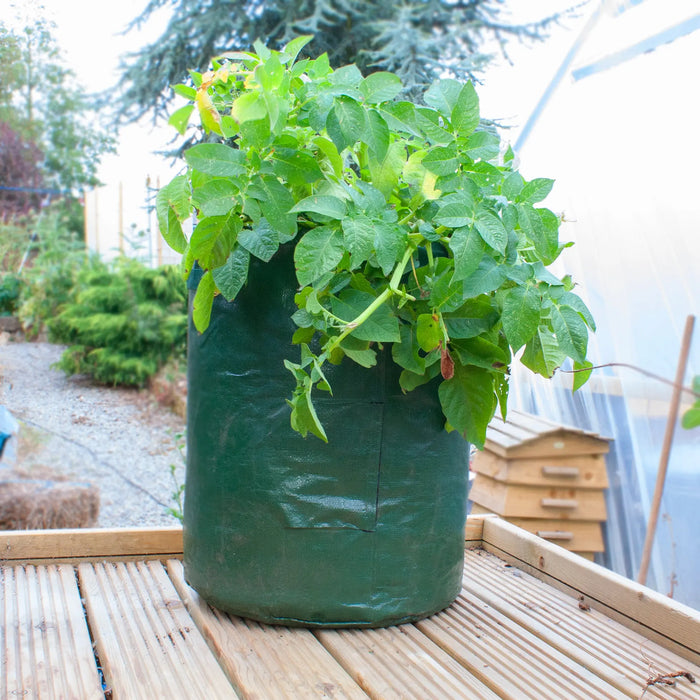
(366, 530)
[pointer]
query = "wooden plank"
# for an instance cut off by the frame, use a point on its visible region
(474, 529)
(558, 503)
(24, 545)
(267, 662)
(46, 648)
(675, 626)
(586, 536)
(401, 662)
(584, 471)
(510, 660)
(607, 648)
(146, 642)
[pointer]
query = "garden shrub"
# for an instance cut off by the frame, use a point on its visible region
(9, 294)
(123, 323)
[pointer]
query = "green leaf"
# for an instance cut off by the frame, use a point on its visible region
(296, 167)
(581, 376)
(326, 205)
(542, 353)
(468, 402)
(215, 197)
(491, 229)
(405, 353)
(216, 159)
(173, 205)
(377, 134)
(542, 239)
(358, 233)
(202, 303)
(256, 133)
(317, 252)
(443, 95)
(365, 358)
(488, 277)
(571, 332)
(212, 240)
(390, 243)
(381, 327)
(185, 91)
(691, 418)
(346, 123)
(513, 186)
(465, 113)
(576, 303)
(401, 116)
(521, 315)
(536, 190)
(441, 160)
(473, 318)
(292, 48)
(331, 153)
(429, 122)
(232, 275)
(380, 87)
(467, 246)
(408, 380)
(275, 202)
(480, 352)
(483, 144)
(456, 210)
(261, 240)
(180, 118)
(303, 418)
(428, 332)
(249, 107)
(446, 294)
(386, 172)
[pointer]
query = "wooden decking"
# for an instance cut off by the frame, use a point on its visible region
(95, 614)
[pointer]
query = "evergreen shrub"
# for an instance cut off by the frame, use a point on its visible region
(123, 323)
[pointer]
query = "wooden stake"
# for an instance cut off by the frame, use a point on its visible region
(666, 449)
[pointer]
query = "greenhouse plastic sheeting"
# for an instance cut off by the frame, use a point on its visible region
(633, 214)
(367, 530)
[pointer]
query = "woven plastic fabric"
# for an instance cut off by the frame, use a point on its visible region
(367, 530)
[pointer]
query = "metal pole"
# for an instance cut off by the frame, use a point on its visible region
(666, 449)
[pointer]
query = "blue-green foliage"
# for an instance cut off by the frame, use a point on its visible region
(123, 323)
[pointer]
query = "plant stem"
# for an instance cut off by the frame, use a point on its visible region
(392, 289)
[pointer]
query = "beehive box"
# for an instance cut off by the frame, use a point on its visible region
(546, 478)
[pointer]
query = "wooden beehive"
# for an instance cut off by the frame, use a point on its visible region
(546, 478)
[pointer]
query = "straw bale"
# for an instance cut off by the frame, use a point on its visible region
(29, 504)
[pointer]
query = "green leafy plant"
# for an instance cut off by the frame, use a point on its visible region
(178, 495)
(410, 228)
(123, 324)
(56, 263)
(9, 294)
(691, 418)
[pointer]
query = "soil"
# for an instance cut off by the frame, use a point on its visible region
(123, 441)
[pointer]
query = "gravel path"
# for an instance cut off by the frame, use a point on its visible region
(120, 440)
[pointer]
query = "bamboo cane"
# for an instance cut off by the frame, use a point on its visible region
(666, 449)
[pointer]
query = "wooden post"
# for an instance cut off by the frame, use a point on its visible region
(666, 449)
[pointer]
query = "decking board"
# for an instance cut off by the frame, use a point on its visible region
(607, 648)
(266, 662)
(145, 647)
(509, 634)
(46, 647)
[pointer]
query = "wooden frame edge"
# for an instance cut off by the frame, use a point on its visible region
(62, 545)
